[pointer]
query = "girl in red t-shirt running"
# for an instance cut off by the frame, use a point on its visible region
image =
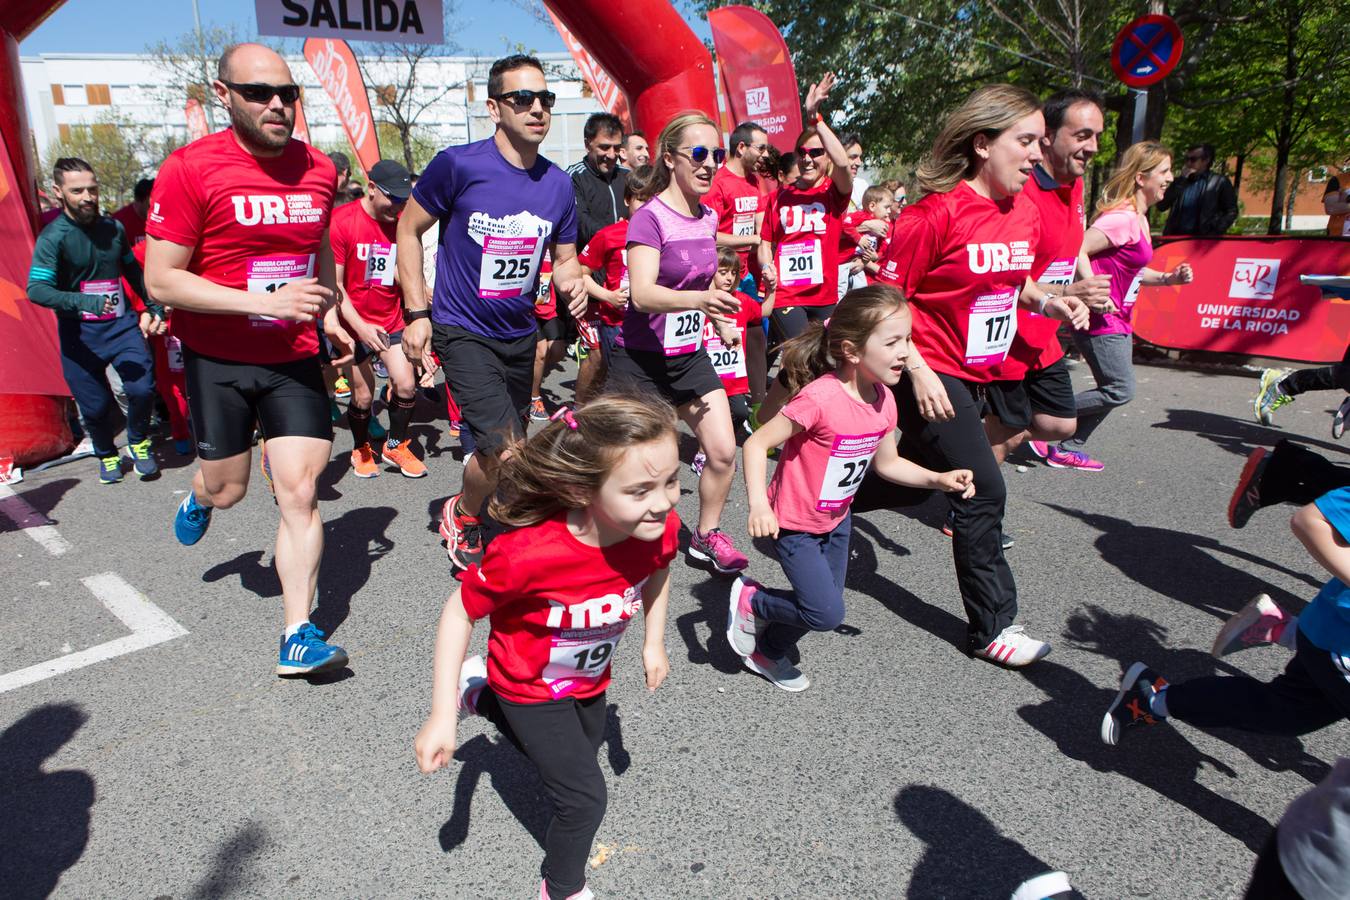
(799, 246)
(963, 255)
(592, 498)
(839, 425)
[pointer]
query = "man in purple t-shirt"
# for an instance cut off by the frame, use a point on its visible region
(500, 205)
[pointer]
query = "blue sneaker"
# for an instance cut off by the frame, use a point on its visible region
(376, 431)
(306, 652)
(109, 469)
(191, 521)
(143, 459)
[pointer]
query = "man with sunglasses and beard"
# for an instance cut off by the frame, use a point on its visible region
(500, 205)
(1201, 202)
(237, 244)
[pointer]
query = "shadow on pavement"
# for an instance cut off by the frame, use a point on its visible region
(619, 758)
(712, 596)
(43, 498)
(232, 868)
(352, 544)
(863, 577)
(45, 825)
(1179, 565)
(513, 777)
(965, 856)
(1236, 436)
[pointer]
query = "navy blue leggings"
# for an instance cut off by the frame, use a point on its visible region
(87, 349)
(816, 565)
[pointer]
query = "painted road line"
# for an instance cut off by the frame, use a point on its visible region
(31, 522)
(148, 623)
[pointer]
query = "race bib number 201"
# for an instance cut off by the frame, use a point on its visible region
(800, 263)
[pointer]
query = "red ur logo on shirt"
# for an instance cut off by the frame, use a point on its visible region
(270, 209)
(597, 612)
(803, 217)
(999, 257)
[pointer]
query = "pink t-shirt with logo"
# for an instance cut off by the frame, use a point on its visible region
(822, 466)
(1130, 251)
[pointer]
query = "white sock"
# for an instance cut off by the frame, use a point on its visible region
(292, 629)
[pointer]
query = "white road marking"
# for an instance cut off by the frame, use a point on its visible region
(31, 522)
(148, 623)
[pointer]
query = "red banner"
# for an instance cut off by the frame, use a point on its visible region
(301, 130)
(1247, 298)
(758, 80)
(610, 95)
(334, 64)
(196, 120)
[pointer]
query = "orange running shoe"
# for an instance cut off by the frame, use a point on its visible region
(403, 457)
(363, 462)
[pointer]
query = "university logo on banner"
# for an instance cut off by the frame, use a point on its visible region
(757, 102)
(1254, 279)
(403, 21)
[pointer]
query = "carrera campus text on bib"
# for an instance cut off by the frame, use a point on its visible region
(800, 262)
(509, 265)
(850, 458)
(993, 324)
(106, 289)
(269, 274)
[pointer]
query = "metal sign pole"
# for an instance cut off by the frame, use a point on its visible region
(1140, 112)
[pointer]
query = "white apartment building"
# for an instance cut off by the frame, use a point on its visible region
(65, 90)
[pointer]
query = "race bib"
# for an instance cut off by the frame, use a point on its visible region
(992, 326)
(106, 290)
(380, 264)
(1060, 272)
(850, 457)
(268, 274)
(800, 263)
(173, 349)
(743, 224)
(1127, 305)
(845, 279)
(509, 266)
(728, 361)
(683, 332)
(576, 657)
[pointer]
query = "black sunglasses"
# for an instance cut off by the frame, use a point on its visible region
(699, 155)
(395, 200)
(813, 152)
(263, 93)
(526, 98)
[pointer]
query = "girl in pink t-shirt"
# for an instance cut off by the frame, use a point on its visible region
(1117, 244)
(839, 423)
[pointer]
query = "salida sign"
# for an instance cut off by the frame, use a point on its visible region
(404, 21)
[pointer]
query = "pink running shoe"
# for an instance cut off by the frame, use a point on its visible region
(716, 548)
(1040, 448)
(583, 894)
(1258, 623)
(1059, 458)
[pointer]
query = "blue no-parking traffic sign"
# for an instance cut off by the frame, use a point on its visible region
(1147, 50)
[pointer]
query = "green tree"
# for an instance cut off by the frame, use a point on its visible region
(113, 148)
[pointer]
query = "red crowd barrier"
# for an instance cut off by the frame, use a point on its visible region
(1247, 298)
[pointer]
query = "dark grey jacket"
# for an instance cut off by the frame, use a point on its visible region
(1217, 209)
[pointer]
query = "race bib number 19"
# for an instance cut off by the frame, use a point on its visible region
(509, 266)
(992, 324)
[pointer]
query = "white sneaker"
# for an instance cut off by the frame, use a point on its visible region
(1049, 886)
(1014, 649)
(779, 672)
(742, 625)
(472, 680)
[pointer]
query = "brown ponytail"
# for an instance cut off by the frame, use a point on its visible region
(819, 350)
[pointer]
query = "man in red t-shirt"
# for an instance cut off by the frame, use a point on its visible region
(738, 198)
(364, 239)
(1032, 394)
(238, 246)
(132, 216)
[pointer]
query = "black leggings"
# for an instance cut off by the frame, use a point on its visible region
(561, 738)
(986, 582)
(1325, 378)
(1295, 474)
(786, 323)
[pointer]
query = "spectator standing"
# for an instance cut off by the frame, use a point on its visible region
(1201, 202)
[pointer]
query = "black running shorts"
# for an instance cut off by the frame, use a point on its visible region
(226, 398)
(490, 380)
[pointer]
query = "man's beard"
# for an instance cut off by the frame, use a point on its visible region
(253, 133)
(80, 215)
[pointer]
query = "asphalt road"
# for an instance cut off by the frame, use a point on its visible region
(187, 769)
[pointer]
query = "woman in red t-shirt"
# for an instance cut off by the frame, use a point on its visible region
(592, 498)
(799, 242)
(963, 256)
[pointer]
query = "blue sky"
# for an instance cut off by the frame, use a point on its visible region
(488, 27)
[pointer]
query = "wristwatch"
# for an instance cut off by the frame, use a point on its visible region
(412, 315)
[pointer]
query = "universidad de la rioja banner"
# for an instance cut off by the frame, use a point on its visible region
(1247, 298)
(758, 80)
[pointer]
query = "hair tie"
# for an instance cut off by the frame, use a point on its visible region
(565, 414)
(826, 326)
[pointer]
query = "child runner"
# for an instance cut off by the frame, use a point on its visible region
(607, 254)
(863, 238)
(799, 243)
(672, 258)
(593, 498)
(963, 255)
(365, 246)
(1118, 244)
(740, 367)
(841, 418)
(1314, 689)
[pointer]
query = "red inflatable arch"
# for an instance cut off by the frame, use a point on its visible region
(32, 391)
(649, 50)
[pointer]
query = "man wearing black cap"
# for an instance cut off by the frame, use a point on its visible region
(365, 248)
